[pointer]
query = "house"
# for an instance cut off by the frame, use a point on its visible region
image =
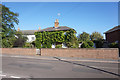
(56, 27)
(113, 35)
(29, 34)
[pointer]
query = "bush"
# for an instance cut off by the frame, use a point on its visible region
(87, 44)
(46, 45)
(28, 45)
(99, 43)
(33, 43)
(58, 46)
(113, 45)
(90, 43)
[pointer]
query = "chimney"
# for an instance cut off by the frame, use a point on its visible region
(39, 28)
(56, 24)
(18, 29)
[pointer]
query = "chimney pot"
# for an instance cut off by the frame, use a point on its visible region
(56, 24)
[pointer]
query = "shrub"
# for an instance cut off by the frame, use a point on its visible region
(46, 45)
(87, 44)
(28, 45)
(90, 43)
(99, 43)
(58, 46)
(113, 45)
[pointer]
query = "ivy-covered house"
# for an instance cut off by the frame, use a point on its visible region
(55, 37)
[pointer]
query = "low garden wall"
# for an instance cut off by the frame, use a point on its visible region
(19, 51)
(99, 53)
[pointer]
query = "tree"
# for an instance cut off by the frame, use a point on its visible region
(84, 37)
(9, 19)
(96, 36)
(20, 40)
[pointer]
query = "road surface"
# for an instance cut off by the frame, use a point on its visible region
(22, 67)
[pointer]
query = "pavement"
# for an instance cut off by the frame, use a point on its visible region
(66, 58)
(14, 66)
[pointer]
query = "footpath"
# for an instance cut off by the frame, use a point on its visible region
(63, 58)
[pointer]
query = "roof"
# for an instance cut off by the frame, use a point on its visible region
(113, 29)
(60, 28)
(28, 32)
(31, 32)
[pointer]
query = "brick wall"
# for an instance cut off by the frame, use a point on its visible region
(100, 53)
(19, 51)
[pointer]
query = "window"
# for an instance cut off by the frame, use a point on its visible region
(33, 38)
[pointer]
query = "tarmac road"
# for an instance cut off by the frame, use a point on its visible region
(37, 67)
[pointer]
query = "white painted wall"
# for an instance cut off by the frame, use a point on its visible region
(30, 38)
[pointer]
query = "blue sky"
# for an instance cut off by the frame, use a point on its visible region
(82, 16)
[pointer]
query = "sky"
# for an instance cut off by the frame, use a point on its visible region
(81, 16)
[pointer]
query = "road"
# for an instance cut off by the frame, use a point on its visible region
(21, 67)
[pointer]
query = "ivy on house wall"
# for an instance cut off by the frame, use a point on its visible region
(45, 39)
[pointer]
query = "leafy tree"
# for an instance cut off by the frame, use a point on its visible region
(84, 37)
(96, 36)
(9, 19)
(20, 40)
(0, 25)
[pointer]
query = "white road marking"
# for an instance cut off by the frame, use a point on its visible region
(14, 77)
(2, 75)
